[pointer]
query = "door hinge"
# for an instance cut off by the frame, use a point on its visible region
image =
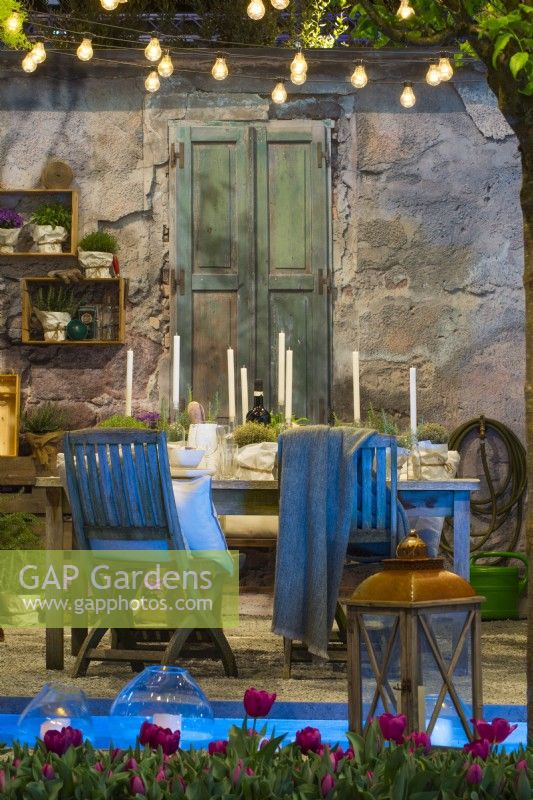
(322, 156)
(177, 155)
(166, 234)
(325, 282)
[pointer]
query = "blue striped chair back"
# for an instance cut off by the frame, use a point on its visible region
(120, 490)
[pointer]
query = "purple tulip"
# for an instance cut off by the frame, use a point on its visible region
(98, 766)
(392, 726)
(419, 740)
(131, 763)
(137, 785)
(58, 742)
(479, 748)
(236, 774)
(115, 753)
(219, 746)
(160, 775)
(146, 732)
(2, 780)
(48, 772)
(17, 762)
(327, 784)
(496, 731)
(309, 739)
(521, 765)
(155, 736)
(474, 775)
(257, 703)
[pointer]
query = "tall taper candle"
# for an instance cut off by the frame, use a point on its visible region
(281, 369)
(412, 398)
(176, 373)
(231, 385)
(244, 393)
(129, 381)
(288, 388)
(356, 387)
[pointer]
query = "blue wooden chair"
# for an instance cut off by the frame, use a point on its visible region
(120, 492)
(374, 529)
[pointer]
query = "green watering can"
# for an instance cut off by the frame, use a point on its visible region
(500, 585)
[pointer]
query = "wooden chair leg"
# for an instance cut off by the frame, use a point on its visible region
(125, 638)
(94, 637)
(224, 650)
(173, 649)
(287, 657)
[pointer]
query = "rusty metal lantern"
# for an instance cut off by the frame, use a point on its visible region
(414, 645)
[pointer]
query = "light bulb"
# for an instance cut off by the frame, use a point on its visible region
(152, 51)
(85, 50)
(299, 64)
(109, 5)
(280, 5)
(298, 78)
(445, 69)
(359, 77)
(152, 82)
(13, 23)
(38, 53)
(28, 64)
(165, 66)
(256, 9)
(279, 93)
(405, 10)
(408, 98)
(220, 69)
(433, 75)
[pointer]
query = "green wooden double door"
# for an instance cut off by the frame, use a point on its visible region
(251, 248)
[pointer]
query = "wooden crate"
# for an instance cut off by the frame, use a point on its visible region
(119, 285)
(25, 200)
(9, 414)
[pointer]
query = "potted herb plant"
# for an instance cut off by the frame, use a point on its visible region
(43, 428)
(97, 254)
(10, 226)
(54, 309)
(49, 228)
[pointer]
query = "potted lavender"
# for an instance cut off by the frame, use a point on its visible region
(10, 226)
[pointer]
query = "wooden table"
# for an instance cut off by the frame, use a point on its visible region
(419, 498)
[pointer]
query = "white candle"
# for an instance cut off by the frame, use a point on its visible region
(281, 370)
(288, 388)
(356, 387)
(244, 393)
(129, 381)
(231, 385)
(172, 721)
(53, 725)
(412, 398)
(176, 373)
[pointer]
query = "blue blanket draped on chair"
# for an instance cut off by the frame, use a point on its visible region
(331, 479)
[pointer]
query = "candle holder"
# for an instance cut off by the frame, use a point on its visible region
(56, 706)
(165, 696)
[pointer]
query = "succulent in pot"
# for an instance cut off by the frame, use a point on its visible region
(50, 226)
(54, 309)
(97, 254)
(43, 428)
(10, 225)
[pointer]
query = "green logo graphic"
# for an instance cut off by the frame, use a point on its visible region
(119, 589)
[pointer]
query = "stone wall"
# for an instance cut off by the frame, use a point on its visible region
(427, 243)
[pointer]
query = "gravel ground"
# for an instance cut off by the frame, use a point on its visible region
(259, 659)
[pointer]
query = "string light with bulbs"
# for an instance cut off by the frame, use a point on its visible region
(220, 69)
(407, 97)
(153, 51)
(165, 67)
(299, 68)
(279, 93)
(85, 50)
(405, 11)
(445, 68)
(28, 64)
(433, 76)
(359, 78)
(256, 9)
(152, 83)
(280, 5)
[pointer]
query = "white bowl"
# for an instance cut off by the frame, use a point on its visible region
(180, 456)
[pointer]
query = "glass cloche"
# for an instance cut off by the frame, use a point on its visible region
(56, 706)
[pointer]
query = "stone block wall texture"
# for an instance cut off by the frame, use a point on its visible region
(427, 239)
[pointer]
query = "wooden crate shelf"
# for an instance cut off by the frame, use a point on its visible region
(94, 285)
(9, 414)
(25, 200)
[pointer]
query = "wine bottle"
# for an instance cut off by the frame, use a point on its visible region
(258, 413)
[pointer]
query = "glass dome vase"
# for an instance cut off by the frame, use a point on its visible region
(56, 706)
(165, 696)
